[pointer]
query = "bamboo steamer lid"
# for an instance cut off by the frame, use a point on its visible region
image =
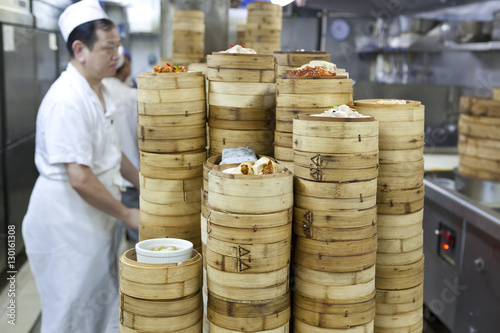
(159, 281)
(170, 185)
(249, 316)
(399, 277)
(232, 67)
(301, 327)
(217, 329)
(197, 118)
(322, 314)
(248, 287)
(253, 221)
(160, 308)
(409, 112)
(337, 161)
(335, 278)
(232, 193)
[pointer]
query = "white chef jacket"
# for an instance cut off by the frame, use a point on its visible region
(125, 99)
(69, 242)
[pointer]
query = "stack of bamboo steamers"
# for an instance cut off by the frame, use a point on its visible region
(242, 101)
(303, 95)
(334, 223)
(400, 200)
(479, 139)
(172, 141)
(189, 36)
(248, 251)
(263, 28)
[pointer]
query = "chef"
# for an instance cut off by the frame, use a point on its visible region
(69, 226)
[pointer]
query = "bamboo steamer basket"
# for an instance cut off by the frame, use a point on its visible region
(335, 91)
(482, 148)
(172, 221)
(400, 156)
(249, 316)
(242, 94)
(479, 127)
(288, 60)
(175, 179)
(399, 296)
(400, 245)
(263, 47)
(301, 327)
(193, 329)
(178, 209)
(325, 204)
(334, 264)
(388, 113)
(412, 168)
(240, 34)
(399, 277)
(150, 82)
(336, 249)
(402, 258)
(283, 153)
(325, 315)
(480, 107)
(333, 278)
(230, 67)
(336, 294)
(170, 132)
(190, 234)
(170, 185)
(407, 321)
(389, 183)
(337, 161)
(159, 281)
(261, 8)
(313, 142)
(232, 193)
(252, 221)
(285, 116)
(358, 190)
(217, 329)
(400, 202)
(207, 166)
(390, 309)
(197, 118)
(283, 139)
(496, 94)
(320, 174)
(173, 146)
(241, 118)
(331, 226)
(165, 198)
(253, 251)
(172, 108)
(139, 315)
(260, 140)
(287, 164)
(194, 159)
(471, 162)
(248, 287)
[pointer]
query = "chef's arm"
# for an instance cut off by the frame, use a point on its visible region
(129, 171)
(90, 188)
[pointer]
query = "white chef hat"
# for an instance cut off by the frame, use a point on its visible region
(79, 13)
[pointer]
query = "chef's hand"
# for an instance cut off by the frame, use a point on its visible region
(132, 218)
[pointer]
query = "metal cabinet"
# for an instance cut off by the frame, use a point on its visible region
(479, 288)
(21, 175)
(46, 62)
(19, 81)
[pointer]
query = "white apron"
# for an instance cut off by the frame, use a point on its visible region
(72, 255)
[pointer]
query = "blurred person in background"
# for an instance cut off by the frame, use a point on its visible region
(70, 224)
(125, 98)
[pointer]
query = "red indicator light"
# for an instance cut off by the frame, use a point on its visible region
(446, 246)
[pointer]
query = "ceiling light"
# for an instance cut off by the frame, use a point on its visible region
(282, 2)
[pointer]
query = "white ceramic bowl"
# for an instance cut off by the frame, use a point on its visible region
(146, 255)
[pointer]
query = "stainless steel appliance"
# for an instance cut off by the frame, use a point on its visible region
(462, 259)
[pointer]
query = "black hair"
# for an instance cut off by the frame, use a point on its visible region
(87, 33)
(119, 70)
